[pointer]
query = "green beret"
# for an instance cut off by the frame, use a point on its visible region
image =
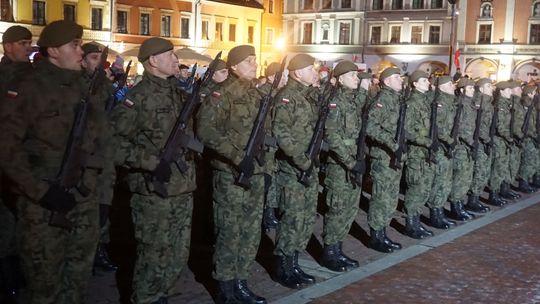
(91, 47)
(220, 65)
(300, 61)
(514, 84)
(482, 81)
(463, 82)
(416, 75)
(16, 33)
(238, 53)
(444, 79)
(501, 85)
(58, 33)
(183, 66)
(528, 89)
(389, 72)
(153, 46)
(364, 75)
(272, 69)
(344, 67)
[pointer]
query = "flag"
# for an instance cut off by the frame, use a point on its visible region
(457, 53)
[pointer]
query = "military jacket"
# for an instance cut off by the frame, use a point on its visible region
(503, 124)
(343, 125)
(468, 120)
(10, 75)
(294, 120)
(487, 116)
(445, 116)
(143, 123)
(527, 105)
(519, 116)
(37, 127)
(225, 121)
(418, 124)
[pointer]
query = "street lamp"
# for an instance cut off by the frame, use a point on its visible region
(451, 48)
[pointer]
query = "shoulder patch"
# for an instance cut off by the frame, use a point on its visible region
(285, 100)
(379, 105)
(332, 105)
(216, 94)
(12, 94)
(439, 105)
(128, 103)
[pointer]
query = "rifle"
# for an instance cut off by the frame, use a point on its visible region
(120, 84)
(400, 137)
(179, 141)
(361, 144)
(433, 128)
(537, 120)
(454, 133)
(493, 127)
(74, 159)
(477, 126)
(316, 141)
(525, 126)
(255, 146)
(512, 121)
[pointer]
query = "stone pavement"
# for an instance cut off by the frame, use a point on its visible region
(442, 260)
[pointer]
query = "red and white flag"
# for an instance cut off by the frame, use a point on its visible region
(457, 53)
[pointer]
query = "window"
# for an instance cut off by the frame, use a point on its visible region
(6, 11)
(436, 3)
(397, 4)
(232, 32)
(375, 35)
(486, 11)
(325, 28)
(377, 5)
(205, 29)
(535, 34)
(326, 4)
(418, 4)
(121, 22)
(344, 33)
(97, 18)
(269, 36)
(38, 12)
(251, 31)
(434, 34)
(270, 6)
(145, 24)
(308, 4)
(416, 34)
(184, 28)
(345, 3)
(69, 12)
(484, 34)
(166, 26)
(307, 33)
(219, 31)
(395, 34)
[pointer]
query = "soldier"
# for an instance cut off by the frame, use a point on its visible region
(182, 78)
(57, 261)
(536, 109)
(342, 129)
(529, 155)
(221, 73)
(462, 155)
(294, 120)
(225, 123)
(383, 120)
(421, 159)
(442, 180)
(17, 43)
(162, 224)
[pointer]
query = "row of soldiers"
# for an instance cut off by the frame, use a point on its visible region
(263, 142)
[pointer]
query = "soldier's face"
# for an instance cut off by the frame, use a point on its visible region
(247, 68)
(67, 56)
(19, 51)
(91, 61)
(165, 64)
(422, 84)
(469, 91)
(221, 75)
(448, 88)
(394, 82)
(487, 89)
(349, 80)
(517, 91)
(506, 93)
(364, 83)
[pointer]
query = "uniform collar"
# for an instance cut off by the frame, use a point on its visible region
(158, 81)
(64, 76)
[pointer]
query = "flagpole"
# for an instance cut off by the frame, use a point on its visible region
(451, 48)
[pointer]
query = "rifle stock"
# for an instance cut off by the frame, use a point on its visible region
(477, 126)
(400, 139)
(433, 129)
(454, 133)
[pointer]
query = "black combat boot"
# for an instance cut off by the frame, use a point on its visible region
(11, 279)
(351, 263)
(525, 187)
(244, 295)
(269, 218)
(102, 260)
(507, 193)
(300, 274)
(285, 272)
(458, 213)
(474, 205)
(226, 292)
(378, 242)
(389, 242)
(414, 229)
(330, 258)
(495, 200)
(439, 220)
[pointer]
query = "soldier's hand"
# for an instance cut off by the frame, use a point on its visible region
(58, 199)
(120, 94)
(359, 167)
(162, 172)
(247, 167)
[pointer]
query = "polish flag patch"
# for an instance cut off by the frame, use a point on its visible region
(12, 94)
(332, 106)
(439, 105)
(216, 94)
(285, 100)
(128, 103)
(379, 105)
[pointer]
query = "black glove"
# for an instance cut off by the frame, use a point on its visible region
(58, 199)
(163, 172)
(359, 167)
(247, 167)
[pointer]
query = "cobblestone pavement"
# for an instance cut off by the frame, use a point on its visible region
(444, 268)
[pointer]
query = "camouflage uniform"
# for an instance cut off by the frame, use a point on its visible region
(57, 262)
(530, 154)
(516, 147)
(501, 145)
(162, 225)
(224, 125)
(482, 165)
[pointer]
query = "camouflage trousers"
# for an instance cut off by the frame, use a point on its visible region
(162, 232)
(514, 160)
(342, 200)
(500, 164)
(419, 175)
(237, 219)
(105, 195)
(57, 263)
(384, 194)
(442, 181)
(461, 174)
(297, 207)
(270, 191)
(481, 172)
(7, 231)
(530, 156)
